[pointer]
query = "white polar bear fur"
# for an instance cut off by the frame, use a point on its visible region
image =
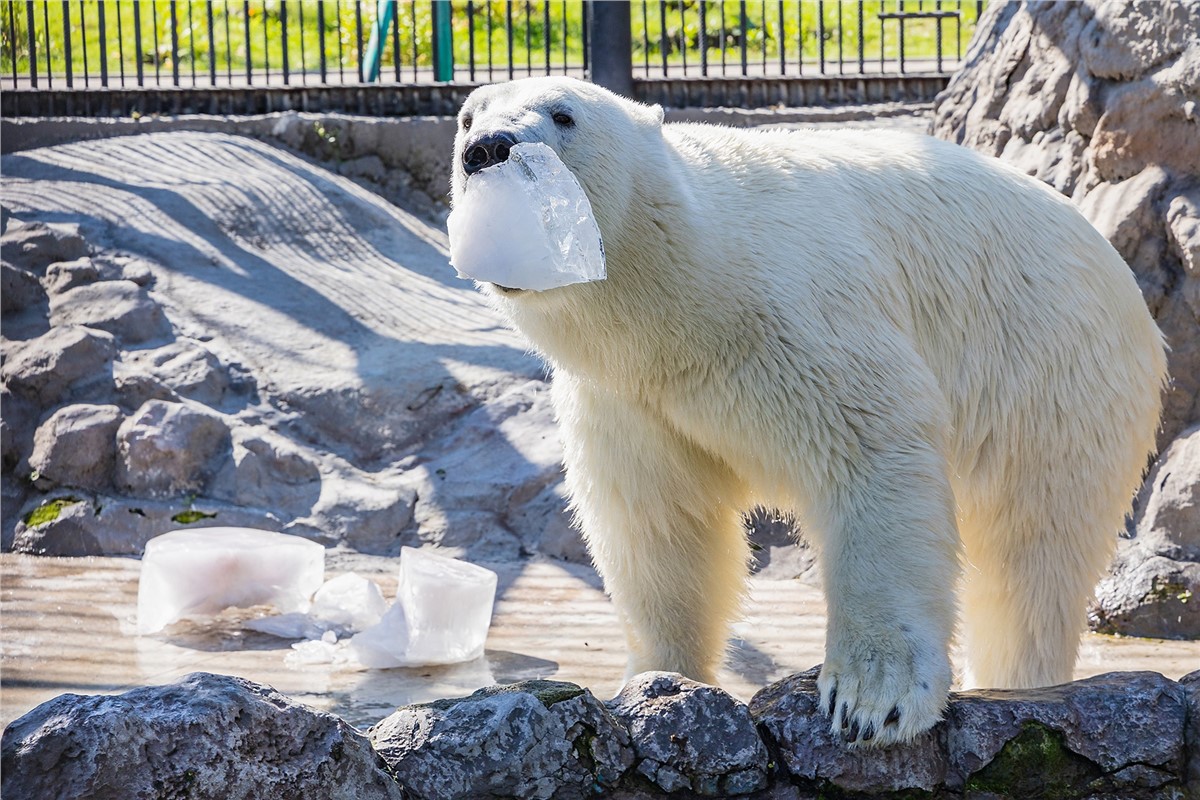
(927, 356)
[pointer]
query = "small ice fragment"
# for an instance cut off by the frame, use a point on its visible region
(206, 570)
(350, 602)
(287, 626)
(314, 651)
(526, 223)
(441, 615)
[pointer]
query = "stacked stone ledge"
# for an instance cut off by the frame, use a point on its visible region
(1121, 736)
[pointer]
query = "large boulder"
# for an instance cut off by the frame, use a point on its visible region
(207, 737)
(69, 358)
(536, 739)
(1120, 735)
(77, 446)
(1098, 99)
(169, 449)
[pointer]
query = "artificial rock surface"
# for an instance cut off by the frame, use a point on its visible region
(1121, 736)
(207, 737)
(1099, 100)
(283, 348)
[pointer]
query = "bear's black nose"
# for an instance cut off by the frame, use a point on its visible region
(487, 151)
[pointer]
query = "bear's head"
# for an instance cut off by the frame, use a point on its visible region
(608, 142)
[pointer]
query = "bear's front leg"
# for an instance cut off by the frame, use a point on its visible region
(889, 549)
(662, 522)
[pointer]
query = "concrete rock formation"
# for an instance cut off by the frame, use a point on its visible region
(207, 737)
(1126, 736)
(1099, 99)
(275, 347)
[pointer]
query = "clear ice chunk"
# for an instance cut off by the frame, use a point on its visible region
(206, 570)
(349, 602)
(441, 615)
(526, 223)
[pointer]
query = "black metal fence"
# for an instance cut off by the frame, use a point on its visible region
(87, 44)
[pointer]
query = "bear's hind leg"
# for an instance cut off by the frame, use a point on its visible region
(662, 522)
(1029, 577)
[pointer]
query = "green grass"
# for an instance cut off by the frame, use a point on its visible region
(766, 32)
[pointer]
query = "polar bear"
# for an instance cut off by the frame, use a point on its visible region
(933, 360)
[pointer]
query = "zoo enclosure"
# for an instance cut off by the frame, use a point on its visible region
(228, 45)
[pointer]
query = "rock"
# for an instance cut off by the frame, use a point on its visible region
(691, 737)
(369, 167)
(169, 449)
(1116, 735)
(185, 367)
(69, 357)
(17, 425)
(62, 276)
(1098, 99)
(788, 712)
(19, 289)
(1153, 588)
(535, 739)
(105, 525)
(1191, 687)
(207, 736)
(369, 515)
(77, 447)
(34, 245)
(121, 307)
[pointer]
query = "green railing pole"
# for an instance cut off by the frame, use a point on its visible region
(384, 10)
(443, 43)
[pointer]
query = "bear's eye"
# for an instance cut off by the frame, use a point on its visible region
(466, 123)
(564, 120)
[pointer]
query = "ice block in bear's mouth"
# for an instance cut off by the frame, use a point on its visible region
(526, 223)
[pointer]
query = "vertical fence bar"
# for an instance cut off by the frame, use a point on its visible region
(743, 23)
(303, 55)
(471, 40)
(46, 37)
(12, 37)
(528, 42)
(120, 44)
(102, 30)
(508, 33)
(246, 23)
(564, 26)
(191, 43)
(900, 22)
(683, 38)
(763, 10)
(266, 40)
(938, 23)
(861, 36)
(443, 41)
(841, 48)
(66, 28)
(137, 41)
(321, 38)
(645, 38)
(174, 42)
(783, 41)
(587, 56)
(663, 47)
(489, 39)
(358, 37)
(546, 31)
(413, 39)
(397, 61)
(800, 39)
(341, 48)
(228, 46)
(703, 41)
(283, 39)
(724, 39)
(154, 29)
(821, 34)
(212, 49)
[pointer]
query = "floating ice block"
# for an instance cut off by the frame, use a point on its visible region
(349, 602)
(441, 615)
(205, 570)
(526, 223)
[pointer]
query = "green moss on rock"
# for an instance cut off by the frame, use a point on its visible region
(1036, 763)
(190, 516)
(49, 511)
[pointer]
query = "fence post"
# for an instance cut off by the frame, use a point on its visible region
(443, 42)
(610, 46)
